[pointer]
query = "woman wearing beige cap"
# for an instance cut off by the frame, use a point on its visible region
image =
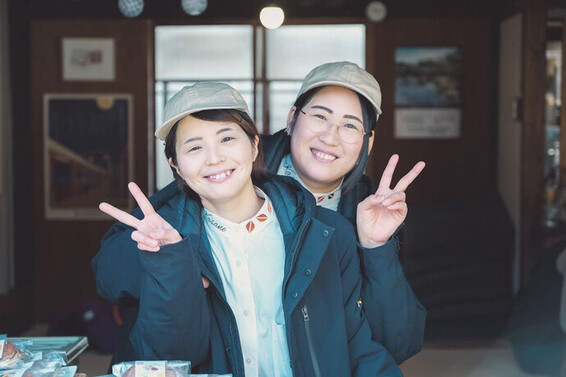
(283, 285)
(329, 135)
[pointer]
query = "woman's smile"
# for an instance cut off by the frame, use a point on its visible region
(323, 156)
(219, 177)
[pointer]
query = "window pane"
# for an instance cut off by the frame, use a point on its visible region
(203, 52)
(292, 51)
(186, 54)
(281, 97)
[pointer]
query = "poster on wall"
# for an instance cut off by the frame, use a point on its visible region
(88, 59)
(428, 94)
(87, 154)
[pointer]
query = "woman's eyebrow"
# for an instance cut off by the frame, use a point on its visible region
(224, 130)
(322, 108)
(192, 139)
(353, 117)
(348, 116)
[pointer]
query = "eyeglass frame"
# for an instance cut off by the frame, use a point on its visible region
(364, 133)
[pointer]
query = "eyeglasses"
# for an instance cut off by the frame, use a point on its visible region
(349, 132)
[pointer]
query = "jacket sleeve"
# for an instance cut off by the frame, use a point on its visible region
(396, 317)
(117, 267)
(367, 357)
(174, 320)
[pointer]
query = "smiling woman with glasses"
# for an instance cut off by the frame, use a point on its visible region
(330, 133)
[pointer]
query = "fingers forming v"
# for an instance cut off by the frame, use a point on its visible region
(409, 177)
(141, 199)
(387, 175)
(119, 215)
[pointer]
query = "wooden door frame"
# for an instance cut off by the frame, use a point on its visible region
(533, 135)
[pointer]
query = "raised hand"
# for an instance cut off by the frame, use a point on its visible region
(380, 214)
(152, 231)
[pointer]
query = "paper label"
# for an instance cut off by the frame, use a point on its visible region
(150, 368)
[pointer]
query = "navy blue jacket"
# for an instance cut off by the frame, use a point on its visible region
(327, 331)
(397, 318)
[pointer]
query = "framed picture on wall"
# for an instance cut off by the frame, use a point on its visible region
(428, 93)
(88, 59)
(87, 154)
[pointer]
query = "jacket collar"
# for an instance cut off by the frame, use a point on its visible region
(293, 205)
(275, 147)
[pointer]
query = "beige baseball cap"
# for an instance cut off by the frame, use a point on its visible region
(345, 74)
(198, 97)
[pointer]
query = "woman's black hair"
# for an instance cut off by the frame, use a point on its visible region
(370, 121)
(259, 175)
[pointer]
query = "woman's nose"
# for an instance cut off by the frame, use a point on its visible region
(330, 136)
(213, 156)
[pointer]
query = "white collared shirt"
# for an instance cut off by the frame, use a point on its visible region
(250, 257)
(328, 200)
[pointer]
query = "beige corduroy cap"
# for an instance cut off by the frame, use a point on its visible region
(198, 97)
(345, 74)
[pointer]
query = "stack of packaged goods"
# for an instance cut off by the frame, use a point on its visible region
(18, 360)
(156, 368)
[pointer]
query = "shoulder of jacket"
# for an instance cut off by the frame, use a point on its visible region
(275, 147)
(333, 218)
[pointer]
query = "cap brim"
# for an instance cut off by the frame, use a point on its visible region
(342, 84)
(163, 130)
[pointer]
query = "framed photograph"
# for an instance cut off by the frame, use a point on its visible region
(88, 59)
(428, 94)
(87, 154)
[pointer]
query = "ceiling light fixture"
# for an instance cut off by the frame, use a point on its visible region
(376, 11)
(130, 8)
(271, 17)
(194, 7)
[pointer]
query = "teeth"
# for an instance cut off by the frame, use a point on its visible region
(324, 156)
(221, 175)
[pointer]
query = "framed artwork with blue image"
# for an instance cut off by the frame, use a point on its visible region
(428, 92)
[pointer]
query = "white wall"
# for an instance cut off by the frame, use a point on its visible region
(6, 216)
(509, 128)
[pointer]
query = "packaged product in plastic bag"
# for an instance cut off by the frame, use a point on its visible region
(156, 368)
(43, 368)
(18, 372)
(11, 356)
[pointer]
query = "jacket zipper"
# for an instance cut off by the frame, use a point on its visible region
(314, 360)
(302, 232)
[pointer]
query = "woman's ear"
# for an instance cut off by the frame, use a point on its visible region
(370, 141)
(291, 120)
(174, 167)
(255, 148)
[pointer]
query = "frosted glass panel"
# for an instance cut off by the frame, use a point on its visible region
(292, 51)
(281, 97)
(203, 52)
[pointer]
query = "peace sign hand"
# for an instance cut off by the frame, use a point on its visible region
(152, 231)
(380, 214)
